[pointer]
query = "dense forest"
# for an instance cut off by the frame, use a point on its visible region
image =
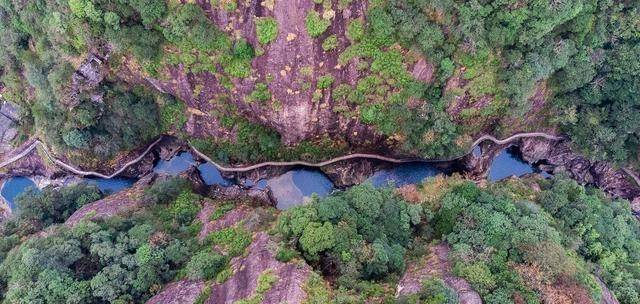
(490, 60)
(511, 243)
(252, 81)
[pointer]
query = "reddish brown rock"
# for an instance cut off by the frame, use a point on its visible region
(423, 71)
(229, 219)
(121, 202)
(436, 265)
(181, 292)
(287, 289)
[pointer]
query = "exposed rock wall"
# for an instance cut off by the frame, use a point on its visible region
(436, 265)
(287, 289)
(558, 157)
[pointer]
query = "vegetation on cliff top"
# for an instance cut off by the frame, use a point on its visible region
(489, 63)
(508, 241)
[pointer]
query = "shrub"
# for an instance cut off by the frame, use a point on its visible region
(260, 93)
(330, 43)
(185, 207)
(233, 240)
(325, 81)
(205, 265)
(266, 29)
(355, 30)
(172, 113)
(315, 24)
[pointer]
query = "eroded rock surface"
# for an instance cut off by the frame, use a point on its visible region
(436, 265)
(349, 173)
(287, 289)
(229, 219)
(181, 292)
(260, 197)
(123, 201)
(558, 156)
(8, 130)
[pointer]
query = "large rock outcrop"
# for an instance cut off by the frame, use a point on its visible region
(289, 288)
(436, 265)
(121, 202)
(558, 157)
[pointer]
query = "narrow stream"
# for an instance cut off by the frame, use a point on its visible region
(295, 186)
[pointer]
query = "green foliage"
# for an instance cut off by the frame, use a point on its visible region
(285, 254)
(188, 28)
(433, 291)
(266, 29)
(260, 93)
(110, 260)
(205, 265)
(120, 122)
(355, 30)
(172, 113)
(166, 190)
(315, 24)
(503, 232)
(316, 289)
(41, 209)
(325, 81)
(221, 210)
(330, 43)
(265, 281)
(604, 233)
(233, 240)
(204, 295)
(185, 207)
(364, 230)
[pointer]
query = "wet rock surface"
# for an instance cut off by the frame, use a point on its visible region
(349, 173)
(258, 196)
(476, 164)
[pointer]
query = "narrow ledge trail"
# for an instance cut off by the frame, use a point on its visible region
(77, 171)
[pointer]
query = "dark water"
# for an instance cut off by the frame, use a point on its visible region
(295, 186)
(507, 164)
(312, 181)
(260, 184)
(14, 187)
(403, 174)
(110, 186)
(298, 186)
(211, 175)
(176, 165)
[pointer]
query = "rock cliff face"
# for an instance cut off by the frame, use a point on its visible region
(349, 173)
(121, 202)
(289, 288)
(558, 157)
(290, 66)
